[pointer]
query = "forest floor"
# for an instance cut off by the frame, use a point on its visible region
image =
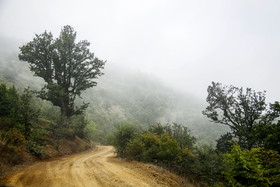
(96, 167)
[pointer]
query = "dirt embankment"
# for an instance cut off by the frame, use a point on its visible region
(98, 167)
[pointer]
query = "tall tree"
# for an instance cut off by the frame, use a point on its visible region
(67, 67)
(29, 113)
(241, 110)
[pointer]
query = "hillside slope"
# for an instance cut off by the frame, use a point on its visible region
(123, 96)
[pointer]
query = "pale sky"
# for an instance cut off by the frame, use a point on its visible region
(186, 44)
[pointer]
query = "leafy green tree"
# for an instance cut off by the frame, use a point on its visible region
(157, 129)
(169, 150)
(255, 167)
(241, 110)
(182, 135)
(268, 136)
(207, 165)
(90, 130)
(29, 114)
(224, 143)
(10, 103)
(179, 132)
(159, 149)
(79, 124)
(12, 140)
(123, 135)
(135, 148)
(151, 144)
(14, 104)
(67, 67)
(4, 102)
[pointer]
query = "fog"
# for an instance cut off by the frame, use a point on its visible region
(186, 44)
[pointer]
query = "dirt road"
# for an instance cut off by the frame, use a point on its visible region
(98, 167)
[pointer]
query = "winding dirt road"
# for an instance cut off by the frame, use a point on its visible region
(98, 167)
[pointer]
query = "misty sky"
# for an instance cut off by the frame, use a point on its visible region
(187, 44)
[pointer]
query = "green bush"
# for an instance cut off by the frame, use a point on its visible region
(180, 133)
(90, 130)
(206, 165)
(78, 124)
(5, 124)
(150, 147)
(169, 150)
(135, 149)
(35, 149)
(224, 143)
(9, 107)
(67, 133)
(167, 146)
(29, 113)
(13, 140)
(268, 136)
(255, 167)
(122, 136)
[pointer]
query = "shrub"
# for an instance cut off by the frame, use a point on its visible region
(151, 147)
(180, 133)
(35, 149)
(255, 167)
(169, 150)
(90, 130)
(207, 165)
(5, 123)
(135, 149)
(9, 108)
(67, 133)
(122, 136)
(15, 138)
(78, 124)
(224, 143)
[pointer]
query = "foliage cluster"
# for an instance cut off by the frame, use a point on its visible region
(150, 147)
(24, 127)
(246, 113)
(68, 68)
(252, 147)
(18, 118)
(255, 167)
(122, 136)
(170, 146)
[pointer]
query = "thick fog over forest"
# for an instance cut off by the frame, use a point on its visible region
(186, 44)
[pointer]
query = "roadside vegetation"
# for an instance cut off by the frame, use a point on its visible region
(29, 124)
(243, 150)
(246, 156)
(32, 120)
